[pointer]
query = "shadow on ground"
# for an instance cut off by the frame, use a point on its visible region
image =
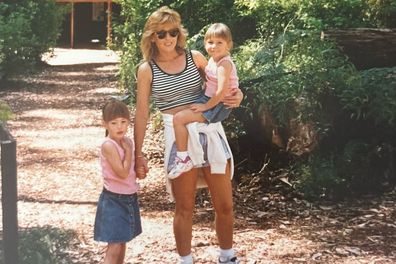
(42, 245)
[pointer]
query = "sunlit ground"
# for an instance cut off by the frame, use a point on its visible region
(64, 56)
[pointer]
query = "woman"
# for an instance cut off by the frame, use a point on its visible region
(172, 76)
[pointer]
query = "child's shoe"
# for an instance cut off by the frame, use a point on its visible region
(180, 166)
(232, 260)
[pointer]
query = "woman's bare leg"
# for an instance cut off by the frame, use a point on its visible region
(184, 188)
(220, 188)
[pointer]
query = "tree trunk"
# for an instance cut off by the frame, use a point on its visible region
(366, 47)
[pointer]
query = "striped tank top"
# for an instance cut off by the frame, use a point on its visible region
(172, 90)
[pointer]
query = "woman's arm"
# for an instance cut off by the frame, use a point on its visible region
(144, 78)
(233, 98)
(199, 60)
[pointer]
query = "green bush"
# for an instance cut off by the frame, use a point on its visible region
(317, 177)
(274, 16)
(45, 245)
(27, 30)
(297, 75)
(197, 15)
(355, 169)
(373, 97)
(5, 112)
(292, 75)
(383, 13)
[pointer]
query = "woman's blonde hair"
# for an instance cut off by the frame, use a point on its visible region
(163, 15)
(219, 30)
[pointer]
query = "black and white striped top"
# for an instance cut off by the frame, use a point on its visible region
(172, 90)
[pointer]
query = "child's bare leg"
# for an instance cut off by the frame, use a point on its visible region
(115, 253)
(180, 120)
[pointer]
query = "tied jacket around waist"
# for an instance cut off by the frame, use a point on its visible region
(215, 151)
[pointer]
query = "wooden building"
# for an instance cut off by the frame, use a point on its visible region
(88, 22)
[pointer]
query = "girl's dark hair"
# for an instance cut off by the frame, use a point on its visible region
(114, 109)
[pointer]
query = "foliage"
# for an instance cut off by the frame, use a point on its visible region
(276, 15)
(128, 34)
(374, 97)
(297, 71)
(45, 245)
(317, 177)
(27, 30)
(197, 15)
(359, 156)
(5, 112)
(357, 168)
(383, 12)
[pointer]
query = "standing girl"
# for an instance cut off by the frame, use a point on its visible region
(117, 217)
(221, 78)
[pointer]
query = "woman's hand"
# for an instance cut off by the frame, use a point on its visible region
(233, 98)
(141, 167)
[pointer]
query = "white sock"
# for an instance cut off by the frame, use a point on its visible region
(186, 259)
(182, 154)
(226, 254)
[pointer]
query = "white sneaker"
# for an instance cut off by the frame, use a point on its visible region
(180, 166)
(232, 260)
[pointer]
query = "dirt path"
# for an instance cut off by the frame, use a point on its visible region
(58, 132)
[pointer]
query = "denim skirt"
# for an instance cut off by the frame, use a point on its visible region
(215, 114)
(117, 218)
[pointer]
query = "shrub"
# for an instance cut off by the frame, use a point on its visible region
(292, 75)
(45, 245)
(373, 98)
(356, 168)
(383, 12)
(27, 30)
(5, 112)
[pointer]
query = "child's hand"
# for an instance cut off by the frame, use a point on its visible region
(198, 108)
(125, 145)
(141, 173)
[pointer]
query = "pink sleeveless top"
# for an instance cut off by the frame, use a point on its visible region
(211, 76)
(111, 181)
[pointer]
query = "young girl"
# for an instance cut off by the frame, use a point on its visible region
(221, 78)
(117, 217)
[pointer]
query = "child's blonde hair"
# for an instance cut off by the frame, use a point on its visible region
(114, 109)
(219, 30)
(163, 15)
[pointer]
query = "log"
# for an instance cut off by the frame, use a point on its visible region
(366, 47)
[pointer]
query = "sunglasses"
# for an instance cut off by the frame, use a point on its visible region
(162, 34)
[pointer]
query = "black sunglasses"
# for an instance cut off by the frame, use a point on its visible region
(162, 34)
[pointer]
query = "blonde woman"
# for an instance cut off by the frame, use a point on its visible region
(171, 75)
